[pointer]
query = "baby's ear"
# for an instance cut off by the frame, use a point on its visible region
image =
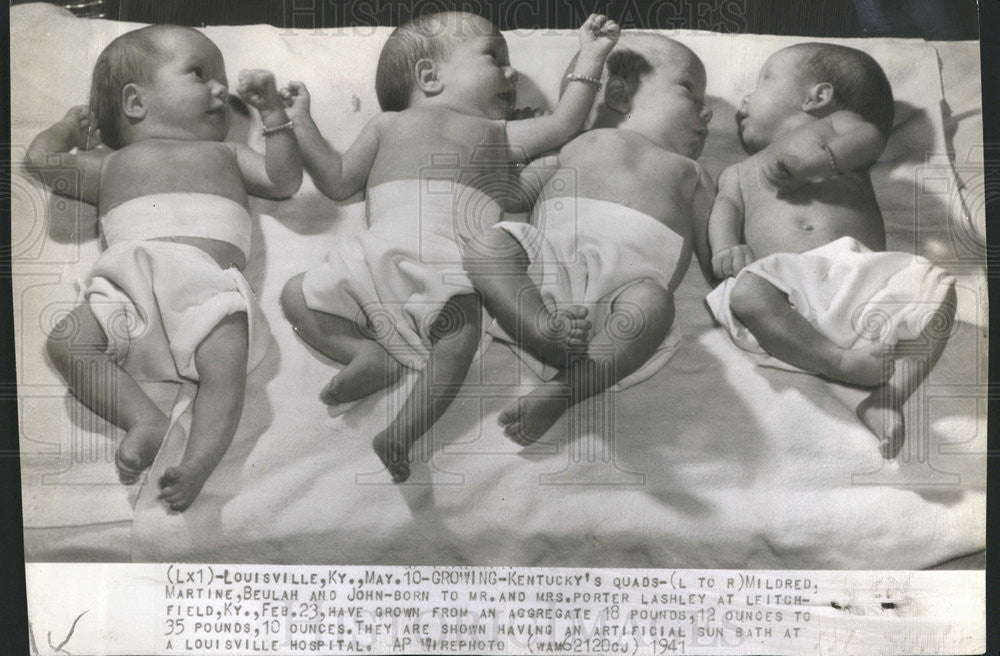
(819, 97)
(618, 94)
(132, 101)
(426, 74)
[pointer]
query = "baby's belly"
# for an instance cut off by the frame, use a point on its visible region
(797, 233)
(224, 253)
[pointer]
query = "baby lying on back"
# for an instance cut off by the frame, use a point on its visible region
(611, 236)
(798, 235)
(167, 300)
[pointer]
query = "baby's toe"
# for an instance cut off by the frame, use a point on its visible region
(522, 440)
(513, 433)
(171, 500)
(128, 467)
(330, 394)
(169, 492)
(170, 477)
(400, 472)
(508, 416)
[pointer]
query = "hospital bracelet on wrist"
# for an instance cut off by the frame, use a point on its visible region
(290, 125)
(573, 77)
(833, 162)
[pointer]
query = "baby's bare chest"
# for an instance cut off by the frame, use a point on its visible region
(172, 167)
(811, 216)
(662, 188)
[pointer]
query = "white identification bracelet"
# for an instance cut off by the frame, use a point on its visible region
(277, 128)
(573, 77)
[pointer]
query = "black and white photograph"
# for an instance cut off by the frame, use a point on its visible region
(537, 326)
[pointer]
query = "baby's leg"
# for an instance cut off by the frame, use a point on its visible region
(437, 385)
(882, 410)
(77, 347)
(369, 368)
(221, 360)
(513, 298)
(647, 307)
(788, 336)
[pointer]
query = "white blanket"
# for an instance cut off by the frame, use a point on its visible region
(713, 462)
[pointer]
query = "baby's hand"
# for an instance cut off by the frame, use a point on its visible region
(785, 172)
(729, 261)
(257, 89)
(598, 36)
(82, 125)
(296, 98)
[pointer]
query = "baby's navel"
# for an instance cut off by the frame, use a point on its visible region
(804, 225)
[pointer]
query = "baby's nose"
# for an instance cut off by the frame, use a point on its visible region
(220, 90)
(705, 114)
(510, 74)
(743, 103)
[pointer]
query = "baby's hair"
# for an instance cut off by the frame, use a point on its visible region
(859, 83)
(131, 58)
(431, 36)
(628, 64)
(642, 53)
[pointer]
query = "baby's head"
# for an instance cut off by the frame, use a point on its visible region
(655, 86)
(162, 81)
(808, 81)
(451, 59)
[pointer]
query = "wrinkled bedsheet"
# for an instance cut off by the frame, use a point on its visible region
(713, 462)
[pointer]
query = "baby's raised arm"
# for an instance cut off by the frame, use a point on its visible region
(278, 172)
(533, 136)
(335, 176)
(725, 227)
(78, 174)
(843, 143)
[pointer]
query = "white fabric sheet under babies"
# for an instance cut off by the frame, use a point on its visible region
(587, 252)
(398, 274)
(849, 293)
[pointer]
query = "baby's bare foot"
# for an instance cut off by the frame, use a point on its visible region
(180, 485)
(394, 454)
(371, 370)
(532, 415)
(885, 420)
(137, 451)
(867, 365)
(560, 334)
(575, 328)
